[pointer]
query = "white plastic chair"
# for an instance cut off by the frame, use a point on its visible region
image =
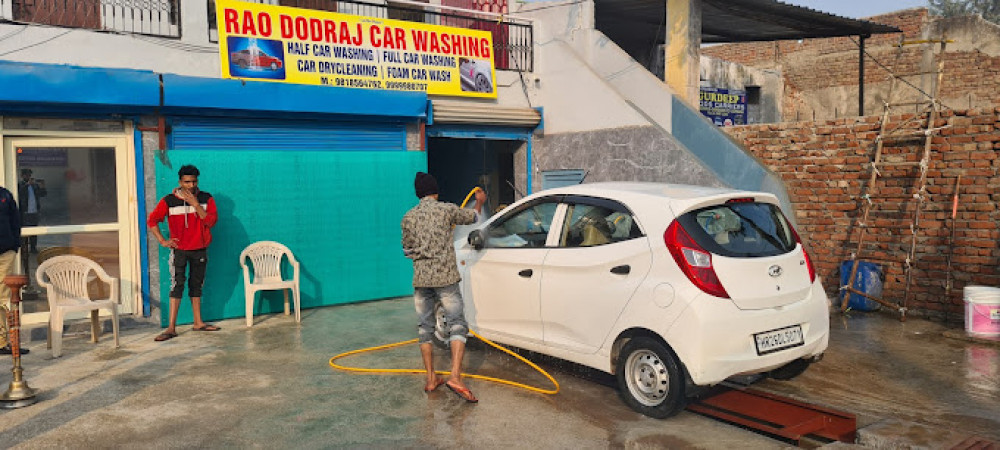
(266, 259)
(65, 279)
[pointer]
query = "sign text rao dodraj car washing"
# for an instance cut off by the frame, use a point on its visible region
(283, 44)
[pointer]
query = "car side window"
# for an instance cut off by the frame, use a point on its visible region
(527, 228)
(592, 225)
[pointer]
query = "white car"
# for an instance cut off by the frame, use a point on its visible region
(476, 75)
(668, 287)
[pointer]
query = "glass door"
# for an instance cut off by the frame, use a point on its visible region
(76, 197)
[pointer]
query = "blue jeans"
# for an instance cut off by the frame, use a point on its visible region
(425, 298)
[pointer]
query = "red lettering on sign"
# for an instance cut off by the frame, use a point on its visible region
(248, 26)
(485, 43)
(419, 40)
(374, 37)
(301, 28)
(387, 38)
(231, 19)
(330, 31)
(357, 36)
(316, 30)
(286, 26)
(435, 47)
(446, 47)
(264, 24)
(400, 38)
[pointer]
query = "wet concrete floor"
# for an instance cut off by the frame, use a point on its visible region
(271, 386)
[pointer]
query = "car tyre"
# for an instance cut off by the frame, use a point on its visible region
(274, 66)
(482, 84)
(790, 370)
(243, 64)
(650, 379)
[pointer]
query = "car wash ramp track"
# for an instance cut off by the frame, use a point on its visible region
(781, 417)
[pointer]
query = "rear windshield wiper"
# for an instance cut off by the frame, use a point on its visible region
(767, 236)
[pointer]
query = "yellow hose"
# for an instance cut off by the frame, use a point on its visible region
(467, 197)
(441, 372)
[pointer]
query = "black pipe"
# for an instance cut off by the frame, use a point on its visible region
(861, 75)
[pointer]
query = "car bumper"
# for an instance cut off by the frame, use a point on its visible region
(715, 339)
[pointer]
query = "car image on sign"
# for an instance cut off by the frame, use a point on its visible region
(667, 287)
(254, 58)
(476, 75)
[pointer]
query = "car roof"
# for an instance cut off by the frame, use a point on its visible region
(681, 197)
(672, 191)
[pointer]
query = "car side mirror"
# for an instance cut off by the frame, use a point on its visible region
(476, 239)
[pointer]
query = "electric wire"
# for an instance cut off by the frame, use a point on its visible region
(892, 74)
(36, 43)
(12, 33)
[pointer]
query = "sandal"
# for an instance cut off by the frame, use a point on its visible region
(437, 384)
(165, 336)
(207, 327)
(465, 393)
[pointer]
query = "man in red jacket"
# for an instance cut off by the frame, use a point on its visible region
(190, 215)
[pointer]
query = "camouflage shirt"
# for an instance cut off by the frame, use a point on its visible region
(427, 240)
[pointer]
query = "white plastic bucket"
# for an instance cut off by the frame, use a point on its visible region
(982, 310)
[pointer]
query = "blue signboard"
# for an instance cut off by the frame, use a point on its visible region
(726, 107)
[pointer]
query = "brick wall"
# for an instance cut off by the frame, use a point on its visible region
(821, 75)
(823, 165)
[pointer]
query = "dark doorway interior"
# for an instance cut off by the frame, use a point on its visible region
(461, 164)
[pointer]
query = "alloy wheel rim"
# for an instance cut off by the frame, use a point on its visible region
(647, 377)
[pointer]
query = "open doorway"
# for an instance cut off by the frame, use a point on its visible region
(459, 164)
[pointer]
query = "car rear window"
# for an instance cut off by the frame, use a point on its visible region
(745, 230)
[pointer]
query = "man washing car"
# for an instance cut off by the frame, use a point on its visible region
(427, 240)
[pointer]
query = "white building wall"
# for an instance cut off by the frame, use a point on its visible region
(192, 54)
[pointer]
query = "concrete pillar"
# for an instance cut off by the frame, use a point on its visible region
(683, 40)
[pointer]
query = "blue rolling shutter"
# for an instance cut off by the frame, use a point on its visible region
(333, 192)
(258, 134)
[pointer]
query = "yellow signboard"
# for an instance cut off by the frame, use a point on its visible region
(283, 44)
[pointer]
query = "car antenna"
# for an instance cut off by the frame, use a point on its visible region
(515, 188)
(584, 177)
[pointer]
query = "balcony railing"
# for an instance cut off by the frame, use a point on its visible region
(512, 39)
(150, 17)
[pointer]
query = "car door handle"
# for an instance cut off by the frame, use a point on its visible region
(621, 270)
(526, 273)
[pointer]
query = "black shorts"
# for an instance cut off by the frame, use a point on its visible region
(179, 262)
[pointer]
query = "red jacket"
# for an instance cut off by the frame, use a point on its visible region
(190, 231)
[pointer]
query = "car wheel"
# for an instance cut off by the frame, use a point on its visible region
(274, 66)
(482, 84)
(650, 379)
(790, 370)
(440, 335)
(243, 64)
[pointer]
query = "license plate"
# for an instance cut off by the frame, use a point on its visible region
(780, 339)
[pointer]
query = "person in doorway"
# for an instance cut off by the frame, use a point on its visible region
(427, 240)
(29, 194)
(10, 242)
(190, 214)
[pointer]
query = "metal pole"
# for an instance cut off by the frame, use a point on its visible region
(861, 75)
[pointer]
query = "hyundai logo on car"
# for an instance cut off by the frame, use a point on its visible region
(774, 271)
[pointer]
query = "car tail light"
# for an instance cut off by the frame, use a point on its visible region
(693, 260)
(809, 263)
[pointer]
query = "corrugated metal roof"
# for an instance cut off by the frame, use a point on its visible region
(734, 20)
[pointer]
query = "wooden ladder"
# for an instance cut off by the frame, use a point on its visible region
(898, 132)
